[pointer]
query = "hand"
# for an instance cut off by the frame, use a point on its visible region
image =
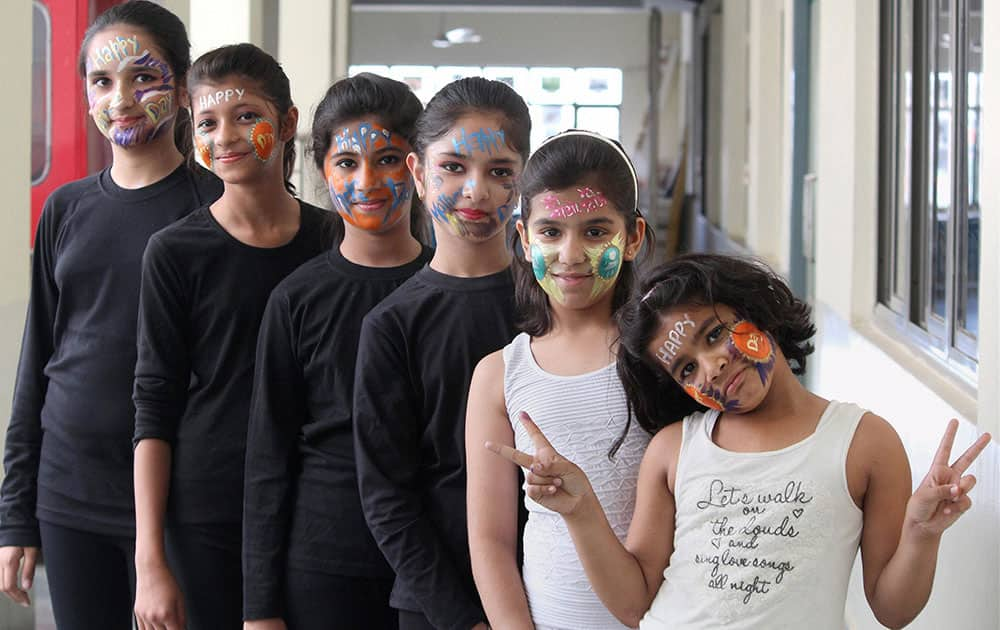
(942, 496)
(553, 481)
(11, 568)
(274, 623)
(158, 601)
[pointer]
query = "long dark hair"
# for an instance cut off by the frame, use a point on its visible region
(169, 35)
(256, 66)
(571, 159)
(752, 289)
(388, 101)
(475, 95)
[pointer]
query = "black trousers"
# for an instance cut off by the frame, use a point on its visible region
(318, 601)
(91, 578)
(206, 562)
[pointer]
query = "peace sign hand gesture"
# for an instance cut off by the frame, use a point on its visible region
(552, 480)
(942, 496)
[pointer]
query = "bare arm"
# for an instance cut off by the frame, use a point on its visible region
(158, 598)
(491, 499)
(625, 577)
(902, 533)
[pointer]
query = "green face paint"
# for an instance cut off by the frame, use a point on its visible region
(606, 262)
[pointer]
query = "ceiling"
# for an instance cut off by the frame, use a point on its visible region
(521, 5)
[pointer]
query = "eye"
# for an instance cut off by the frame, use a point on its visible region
(714, 334)
(248, 116)
(101, 81)
(502, 172)
(388, 160)
(204, 125)
(686, 371)
(596, 233)
(145, 77)
(345, 163)
(453, 167)
(549, 232)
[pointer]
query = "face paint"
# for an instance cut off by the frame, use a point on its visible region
(131, 108)
(589, 201)
(470, 179)
(262, 139)
(367, 176)
(542, 257)
(204, 148)
(711, 397)
(606, 262)
(220, 96)
(751, 344)
(668, 350)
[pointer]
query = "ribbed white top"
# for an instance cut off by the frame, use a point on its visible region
(762, 540)
(582, 416)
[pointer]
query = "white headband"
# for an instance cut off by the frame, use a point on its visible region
(612, 143)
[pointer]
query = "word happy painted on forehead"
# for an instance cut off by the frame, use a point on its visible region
(590, 200)
(125, 50)
(220, 96)
(668, 350)
(486, 140)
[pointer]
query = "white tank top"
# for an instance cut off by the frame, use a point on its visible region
(582, 416)
(762, 540)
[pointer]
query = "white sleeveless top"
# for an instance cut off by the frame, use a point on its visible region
(762, 540)
(582, 416)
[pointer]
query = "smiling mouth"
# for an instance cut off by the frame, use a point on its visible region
(126, 121)
(572, 279)
(228, 158)
(369, 205)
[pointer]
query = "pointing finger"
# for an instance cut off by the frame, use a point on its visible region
(536, 435)
(511, 454)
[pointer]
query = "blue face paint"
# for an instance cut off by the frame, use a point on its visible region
(538, 265)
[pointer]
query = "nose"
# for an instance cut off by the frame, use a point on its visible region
(713, 364)
(123, 97)
(227, 133)
(366, 176)
(475, 189)
(572, 250)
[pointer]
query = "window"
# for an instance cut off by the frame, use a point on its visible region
(930, 156)
(41, 92)
(558, 98)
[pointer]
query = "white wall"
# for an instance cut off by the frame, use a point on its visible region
(605, 39)
(856, 359)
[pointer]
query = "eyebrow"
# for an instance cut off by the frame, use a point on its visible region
(705, 325)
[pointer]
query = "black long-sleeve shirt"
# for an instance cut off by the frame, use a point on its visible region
(203, 294)
(68, 454)
(416, 356)
(301, 502)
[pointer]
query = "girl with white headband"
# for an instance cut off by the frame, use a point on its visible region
(580, 232)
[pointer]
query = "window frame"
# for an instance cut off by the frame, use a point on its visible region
(905, 303)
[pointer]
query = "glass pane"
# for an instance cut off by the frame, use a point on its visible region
(603, 120)
(40, 83)
(421, 79)
(599, 86)
(551, 86)
(943, 164)
(548, 120)
(904, 151)
(968, 291)
(516, 78)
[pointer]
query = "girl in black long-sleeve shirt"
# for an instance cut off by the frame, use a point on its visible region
(309, 560)
(205, 283)
(68, 454)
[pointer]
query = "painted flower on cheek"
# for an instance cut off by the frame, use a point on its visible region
(542, 257)
(262, 139)
(706, 399)
(750, 343)
(204, 149)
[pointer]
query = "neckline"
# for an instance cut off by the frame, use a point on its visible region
(498, 280)
(304, 218)
(342, 265)
(112, 189)
(712, 417)
(529, 354)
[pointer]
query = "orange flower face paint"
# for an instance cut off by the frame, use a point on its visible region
(751, 342)
(705, 399)
(365, 171)
(262, 139)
